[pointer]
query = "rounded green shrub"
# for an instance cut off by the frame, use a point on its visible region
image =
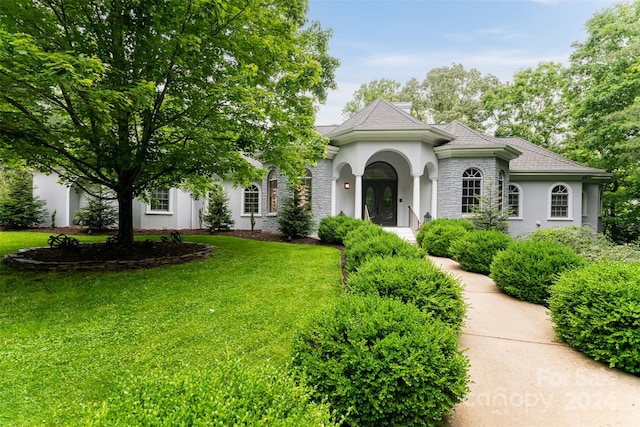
(436, 236)
(227, 393)
(378, 361)
(475, 250)
(371, 241)
(527, 269)
(596, 310)
(416, 281)
(333, 229)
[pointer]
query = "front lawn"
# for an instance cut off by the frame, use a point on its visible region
(67, 339)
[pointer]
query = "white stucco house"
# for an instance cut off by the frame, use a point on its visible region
(386, 164)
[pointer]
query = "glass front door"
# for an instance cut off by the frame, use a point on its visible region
(381, 193)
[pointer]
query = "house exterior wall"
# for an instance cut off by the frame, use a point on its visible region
(182, 214)
(56, 197)
(535, 201)
(450, 181)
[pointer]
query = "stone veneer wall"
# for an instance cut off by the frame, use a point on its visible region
(450, 181)
(320, 195)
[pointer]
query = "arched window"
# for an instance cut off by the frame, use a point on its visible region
(305, 190)
(273, 192)
(251, 200)
(514, 201)
(560, 206)
(471, 189)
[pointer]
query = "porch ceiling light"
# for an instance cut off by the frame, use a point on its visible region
(347, 186)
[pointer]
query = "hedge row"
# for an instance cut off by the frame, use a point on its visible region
(387, 352)
(436, 236)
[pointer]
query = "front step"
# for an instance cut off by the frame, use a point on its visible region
(404, 232)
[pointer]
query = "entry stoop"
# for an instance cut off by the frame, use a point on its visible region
(404, 232)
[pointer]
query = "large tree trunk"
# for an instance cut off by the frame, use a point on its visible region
(125, 218)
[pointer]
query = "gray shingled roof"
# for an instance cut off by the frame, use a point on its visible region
(380, 114)
(464, 135)
(325, 130)
(537, 159)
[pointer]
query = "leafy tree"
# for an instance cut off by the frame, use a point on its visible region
(533, 107)
(605, 82)
(18, 207)
(454, 93)
(446, 94)
(369, 92)
(136, 95)
(218, 215)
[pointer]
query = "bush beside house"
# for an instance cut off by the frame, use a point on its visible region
(596, 310)
(436, 236)
(476, 249)
(527, 269)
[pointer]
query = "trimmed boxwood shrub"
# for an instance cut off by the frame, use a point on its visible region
(378, 361)
(227, 393)
(527, 269)
(436, 236)
(416, 281)
(371, 241)
(333, 229)
(596, 310)
(475, 250)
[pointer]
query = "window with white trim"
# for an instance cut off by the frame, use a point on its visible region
(560, 207)
(160, 200)
(273, 191)
(501, 191)
(471, 189)
(513, 199)
(251, 200)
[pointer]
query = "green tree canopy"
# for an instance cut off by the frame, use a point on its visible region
(605, 83)
(134, 95)
(446, 94)
(533, 106)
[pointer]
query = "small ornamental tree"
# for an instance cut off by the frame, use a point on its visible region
(18, 207)
(218, 215)
(295, 218)
(491, 213)
(98, 214)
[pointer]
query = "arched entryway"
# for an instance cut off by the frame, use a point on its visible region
(380, 190)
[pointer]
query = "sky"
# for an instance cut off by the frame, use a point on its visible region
(401, 39)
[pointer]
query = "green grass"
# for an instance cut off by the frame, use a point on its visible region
(67, 339)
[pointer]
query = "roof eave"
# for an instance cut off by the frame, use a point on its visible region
(425, 134)
(586, 175)
(501, 151)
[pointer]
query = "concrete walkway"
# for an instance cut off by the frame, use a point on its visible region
(522, 377)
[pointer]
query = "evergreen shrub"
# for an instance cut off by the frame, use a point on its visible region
(436, 236)
(475, 250)
(295, 218)
(378, 361)
(415, 281)
(371, 241)
(218, 215)
(225, 394)
(596, 310)
(333, 229)
(98, 214)
(526, 270)
(18, 207)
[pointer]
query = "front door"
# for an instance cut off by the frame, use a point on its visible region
(380, 187)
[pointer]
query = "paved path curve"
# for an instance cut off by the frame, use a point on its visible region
(523, 377)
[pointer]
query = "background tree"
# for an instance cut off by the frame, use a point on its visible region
(605, 84)
(454, 93)
(369, 92)
(137, 95)
(534, 106)
(446, 94)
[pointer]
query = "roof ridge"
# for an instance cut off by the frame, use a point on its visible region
(481, 135)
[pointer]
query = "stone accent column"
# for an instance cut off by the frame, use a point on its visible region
(434, 198)
(357, 211)
(416, 194)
